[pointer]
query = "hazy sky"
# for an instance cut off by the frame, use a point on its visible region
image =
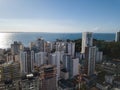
(60, 15)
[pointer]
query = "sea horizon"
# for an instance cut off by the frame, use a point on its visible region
(27, 37)
(64, 32)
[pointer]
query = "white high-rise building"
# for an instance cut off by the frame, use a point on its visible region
(39, 58)
(71, 65)
(54, 59)
(66, 61)
(61, 55)
(58, 63)
(75, 66)
(57, 46)
(117, 38)
(32, 60)
(23, 62)
(27, 61)
(71, 49)
(87, 40)
(60, 46)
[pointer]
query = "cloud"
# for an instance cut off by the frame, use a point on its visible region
(40, 25)
(47, 25)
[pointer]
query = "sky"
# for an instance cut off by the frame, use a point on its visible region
(99, 16)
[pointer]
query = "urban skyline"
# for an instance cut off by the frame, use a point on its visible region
(63, 65)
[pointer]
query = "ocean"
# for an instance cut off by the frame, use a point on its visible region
(26, 37)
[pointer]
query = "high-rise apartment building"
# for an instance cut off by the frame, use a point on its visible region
(16, 47)
(90, 58)
(67, 59)
(39, 58)
(23, 62)
(26, 61)
(54, 59)
(48, 77)
(40, 44)
(10, 70)
(58, 63)
(60, 46)
(75, 66)
(117, 38)
(71, 65)
(87, 40)
(32, 60)
(48, 46)
(70, 47)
